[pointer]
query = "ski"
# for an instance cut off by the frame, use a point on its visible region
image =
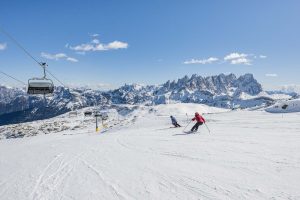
(166, 128)
(189, 132)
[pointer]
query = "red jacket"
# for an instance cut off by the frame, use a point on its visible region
(199, 118)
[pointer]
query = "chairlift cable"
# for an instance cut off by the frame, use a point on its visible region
(56, 78)
(2, 79)
(19, 45)
(12, 77)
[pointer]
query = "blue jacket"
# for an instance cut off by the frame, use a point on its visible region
(174, 121)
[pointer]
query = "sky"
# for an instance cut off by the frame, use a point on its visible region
(110, 43)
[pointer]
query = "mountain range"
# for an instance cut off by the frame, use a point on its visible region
(225, 91)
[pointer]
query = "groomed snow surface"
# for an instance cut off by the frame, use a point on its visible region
(247, 155)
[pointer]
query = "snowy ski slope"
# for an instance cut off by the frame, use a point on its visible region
(285, 106)
(248, 155)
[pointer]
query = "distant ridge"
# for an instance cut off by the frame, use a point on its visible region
(225, 91)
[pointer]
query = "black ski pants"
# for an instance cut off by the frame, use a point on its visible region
(196, 126)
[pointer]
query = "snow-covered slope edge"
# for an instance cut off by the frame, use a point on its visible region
(119, 116)
(285, 106)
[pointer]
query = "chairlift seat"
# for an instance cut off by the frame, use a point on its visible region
(40, 86)
(73, 113)
(88, 113)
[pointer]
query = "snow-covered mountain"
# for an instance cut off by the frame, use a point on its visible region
(226, 91)
(222, 91)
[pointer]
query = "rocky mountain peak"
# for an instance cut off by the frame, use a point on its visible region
(220, 90)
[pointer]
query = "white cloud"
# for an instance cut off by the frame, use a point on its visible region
(83, 47)
(244, 61)
(72, 59)
(234, 56)
(238, 58)
(262, 56)
(95, 41)
(271, 75)
(117, 45)
(53, 56)
(95, 35)
(96, 45)
(203, 61)
(3, 46)
(58, 56)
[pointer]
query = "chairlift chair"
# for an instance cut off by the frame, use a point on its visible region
(73, 113)
(40, 86)
(88, 113)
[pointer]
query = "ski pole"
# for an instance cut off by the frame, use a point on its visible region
(207, 127)
(187, 125)
(187, 118)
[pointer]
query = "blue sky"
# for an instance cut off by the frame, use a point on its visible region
(116, 42)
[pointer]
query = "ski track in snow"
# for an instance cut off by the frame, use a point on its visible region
(248, 155)
(48, 181)
(115, 190)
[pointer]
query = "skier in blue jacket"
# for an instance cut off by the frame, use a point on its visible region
(174, 121)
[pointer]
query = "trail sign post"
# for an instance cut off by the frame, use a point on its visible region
(97, 115)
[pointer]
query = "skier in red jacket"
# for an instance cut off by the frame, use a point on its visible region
(200, 120)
